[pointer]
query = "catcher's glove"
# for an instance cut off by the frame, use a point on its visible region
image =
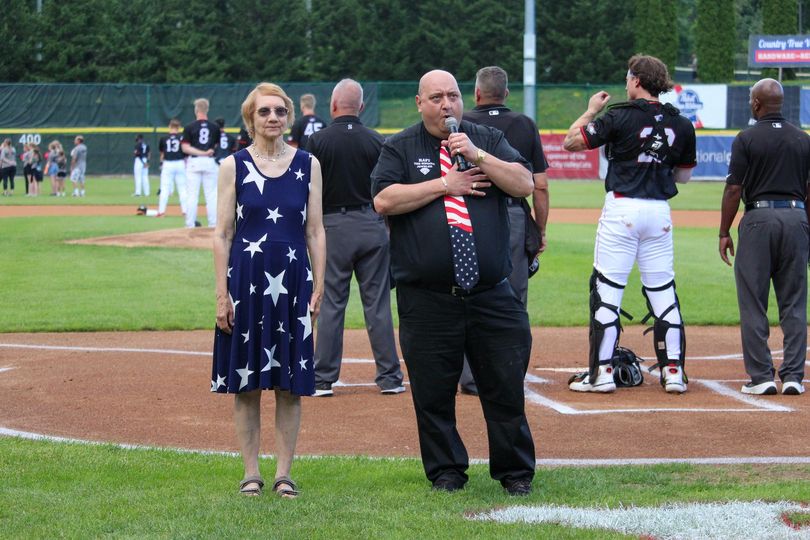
(626, 368)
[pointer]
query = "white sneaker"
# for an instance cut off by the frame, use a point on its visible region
(394, 390)
(325, 391)
(673, 380)
(768, 388)
(792, 388)
(604, 382)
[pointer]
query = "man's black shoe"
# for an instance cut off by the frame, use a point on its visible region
(518, 488)
(446, 484)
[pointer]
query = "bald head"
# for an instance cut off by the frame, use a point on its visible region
(431, 78)
(766, 97)
(439, 98)
(347, 98)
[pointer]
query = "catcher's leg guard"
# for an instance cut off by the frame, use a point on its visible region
(605, 326)
(669, 338)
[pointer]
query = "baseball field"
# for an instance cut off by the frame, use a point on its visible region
(109, 429)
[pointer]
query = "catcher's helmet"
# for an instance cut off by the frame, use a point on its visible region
(626, 368)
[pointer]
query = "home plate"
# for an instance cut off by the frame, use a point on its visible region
(731, 520)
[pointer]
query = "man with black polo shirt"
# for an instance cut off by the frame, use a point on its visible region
(172, 168)
(199, 140)
(769, 168)
(491, 90)
(450, 260)
(356, 243)
(650, 147)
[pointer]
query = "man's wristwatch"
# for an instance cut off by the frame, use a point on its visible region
(480, 157)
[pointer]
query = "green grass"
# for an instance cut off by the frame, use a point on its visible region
(77, 491)
(65, 287)
(591, 194)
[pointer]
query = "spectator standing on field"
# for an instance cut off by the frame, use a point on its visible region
(8, 166)
(78, 165)
(37, 164)
(25, 157)
(307, 125)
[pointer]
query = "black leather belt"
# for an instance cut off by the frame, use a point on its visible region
(344, 209)
(512, 201)
(455, 290)
(773, 204)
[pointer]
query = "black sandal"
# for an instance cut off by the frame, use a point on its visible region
(251, 491)
(290, 493)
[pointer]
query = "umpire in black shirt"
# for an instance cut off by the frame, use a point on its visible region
(769, 170)
(356, 242)
(439, 320)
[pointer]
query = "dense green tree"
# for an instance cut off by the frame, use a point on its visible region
(584, 41)
(715, 40)
(18, 48)
(655, 27)
(780, 17)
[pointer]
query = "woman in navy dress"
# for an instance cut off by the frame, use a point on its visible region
(269, 228)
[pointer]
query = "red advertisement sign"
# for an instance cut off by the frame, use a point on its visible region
(564, 164)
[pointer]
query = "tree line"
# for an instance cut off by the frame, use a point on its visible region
(188, 41)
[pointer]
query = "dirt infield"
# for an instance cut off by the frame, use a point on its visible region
(153, 388)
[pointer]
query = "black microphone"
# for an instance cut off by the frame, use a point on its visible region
(451, 124)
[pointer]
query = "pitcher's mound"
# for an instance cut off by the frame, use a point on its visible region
(198, 238)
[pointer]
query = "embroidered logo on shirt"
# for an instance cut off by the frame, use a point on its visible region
(424, 165)
(777, 125)
(494, 113)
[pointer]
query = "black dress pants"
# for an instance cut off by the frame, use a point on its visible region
(492, 327)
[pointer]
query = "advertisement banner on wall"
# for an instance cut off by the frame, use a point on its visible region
(713, 156)
(804, 106)
(779, 51)
(703, 104)
(564, 164)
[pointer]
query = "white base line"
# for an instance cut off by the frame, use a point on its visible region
(750, 400)
(137, 351)
(548, 462)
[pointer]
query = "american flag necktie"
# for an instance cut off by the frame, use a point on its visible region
(465, 259)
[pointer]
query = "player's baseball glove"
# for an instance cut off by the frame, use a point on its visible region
(626, 368)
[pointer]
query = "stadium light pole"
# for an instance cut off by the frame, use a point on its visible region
(529, 62)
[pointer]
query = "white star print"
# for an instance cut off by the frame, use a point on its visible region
(291, 254)
(244, 373)
(229, 270)
(274, 215)
(274, 286)
(234, 304)
(252, 288)
(304, 214)
(213, 385)
(280, 327)
(299, 175)
(271, 362)
(255, 177)
(246, 335)
(309, 274)
(253, 247)
(295, 301)
(303, 364)
(307, 322)
(239, 211)
(220, 381)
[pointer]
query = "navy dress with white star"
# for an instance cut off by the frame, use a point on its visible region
(270, 284)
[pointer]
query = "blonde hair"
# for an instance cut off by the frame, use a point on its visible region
(264, 89)
(175, 123)
(201, 105)
(307, 101)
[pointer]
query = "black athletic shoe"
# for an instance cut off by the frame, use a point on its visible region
(518, 488)
(448, 484)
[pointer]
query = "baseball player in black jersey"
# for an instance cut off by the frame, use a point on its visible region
(307, 124)
(141, 167)
(172, 168)
(200, 138)
(650, 147)
(769, 169)
(226, 144)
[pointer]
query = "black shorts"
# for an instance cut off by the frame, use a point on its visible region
(61, 174)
